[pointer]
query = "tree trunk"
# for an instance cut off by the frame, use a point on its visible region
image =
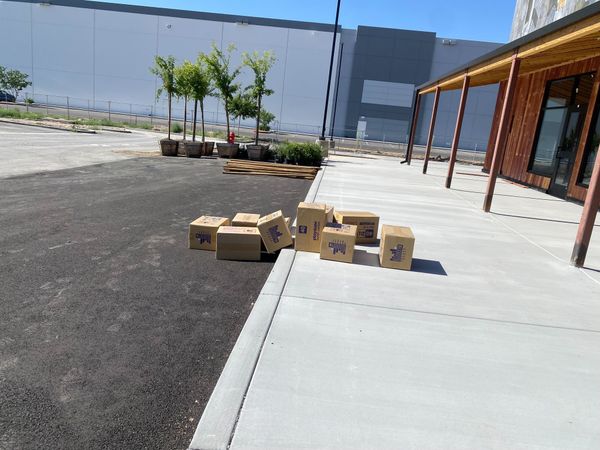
(195, 115)
(227, 117)
(169, 120)
(202, 118)
(184, 115)
(239, 124)
(257, 120)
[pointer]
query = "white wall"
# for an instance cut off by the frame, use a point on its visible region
(100, 56)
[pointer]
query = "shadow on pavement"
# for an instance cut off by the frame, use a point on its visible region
(364, 258)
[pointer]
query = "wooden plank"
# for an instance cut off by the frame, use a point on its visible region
(578, 37)
(571, 33)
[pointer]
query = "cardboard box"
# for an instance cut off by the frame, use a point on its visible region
(288, 222)
(238, 243)
(366, 222)
(274, 232)
(310, 221)
(203, 232)
(337, 242)
(396, 247)
(245, 220)
(329, 211)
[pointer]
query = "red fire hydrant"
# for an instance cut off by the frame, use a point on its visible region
(231, 138)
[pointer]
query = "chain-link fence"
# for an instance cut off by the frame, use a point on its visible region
(155, 116)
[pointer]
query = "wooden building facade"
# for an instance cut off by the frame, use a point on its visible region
(546, 127)
(554, 129)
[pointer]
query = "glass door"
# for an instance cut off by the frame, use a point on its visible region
(565, 155)
(559, 130)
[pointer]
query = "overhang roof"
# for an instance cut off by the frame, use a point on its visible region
(572, 38)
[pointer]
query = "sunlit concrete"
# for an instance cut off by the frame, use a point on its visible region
(492, 341)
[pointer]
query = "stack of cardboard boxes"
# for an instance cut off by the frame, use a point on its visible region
(319, 229)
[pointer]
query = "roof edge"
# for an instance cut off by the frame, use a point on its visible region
(564, 22)
(186, 14)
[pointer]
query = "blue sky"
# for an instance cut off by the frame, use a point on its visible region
(482, 20)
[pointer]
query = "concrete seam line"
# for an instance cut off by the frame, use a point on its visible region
(217, 425)
(521, 235)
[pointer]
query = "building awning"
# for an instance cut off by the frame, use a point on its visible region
(573, 38)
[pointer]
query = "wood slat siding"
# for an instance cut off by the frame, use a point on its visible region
(525, 116)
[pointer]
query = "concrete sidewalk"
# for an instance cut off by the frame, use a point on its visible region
(492, 341)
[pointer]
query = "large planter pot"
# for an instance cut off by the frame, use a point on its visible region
(182, 148)
(257, 152)
(168, 147)
(226, 150)
(193, 149)
(209, 148)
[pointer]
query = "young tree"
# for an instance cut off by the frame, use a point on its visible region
(260, 65)
(13, 80)
(202, 87)
(164, 68)
(183, 87)
(242, 107)
(266, 118)
(219, 67)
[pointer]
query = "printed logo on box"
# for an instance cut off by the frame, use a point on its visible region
(274, 233)
(367, 233)
(337, 247)
(302, 229)
(204, 238)
(316, 231)
(398, 253)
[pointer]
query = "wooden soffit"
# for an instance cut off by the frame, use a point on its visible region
(572, 43)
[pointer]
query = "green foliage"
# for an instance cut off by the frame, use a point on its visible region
(218, 64)
(265, 120)
(183, 75)
(176, 128)
(164, 68)
(16, 114)
(242, 106)
(29, 101)
(302, 153)
(200, 80)
(260, 66)
(13, 81)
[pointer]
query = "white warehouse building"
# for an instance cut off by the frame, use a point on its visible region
(98, 55)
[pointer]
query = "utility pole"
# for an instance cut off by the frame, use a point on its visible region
(335, 29)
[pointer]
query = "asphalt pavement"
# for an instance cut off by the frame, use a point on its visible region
(113, 333)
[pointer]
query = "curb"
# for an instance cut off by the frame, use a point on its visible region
(216, 427)
(117, 130)
(217, 424)
(49, 127)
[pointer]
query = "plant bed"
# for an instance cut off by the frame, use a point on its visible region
(257, 152)
(303, 154)
(193, 149)
(168, 147)
(226, 150)
(209, 148)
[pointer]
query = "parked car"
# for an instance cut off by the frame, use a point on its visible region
(6, 97)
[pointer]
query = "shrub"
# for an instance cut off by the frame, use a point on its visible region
(304, 154)
(176, 128)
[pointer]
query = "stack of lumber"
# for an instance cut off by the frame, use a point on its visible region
(244, 167)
